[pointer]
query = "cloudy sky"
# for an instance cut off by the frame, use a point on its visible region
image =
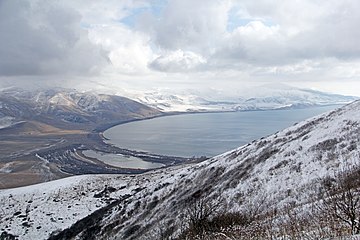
(149, 44)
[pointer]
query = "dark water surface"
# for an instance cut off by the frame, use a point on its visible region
(206, 134)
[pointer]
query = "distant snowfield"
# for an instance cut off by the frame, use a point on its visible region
(265, 97)
(287, 167)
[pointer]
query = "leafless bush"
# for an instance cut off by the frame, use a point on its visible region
(342, 198)
(207, 219)
(199, 213)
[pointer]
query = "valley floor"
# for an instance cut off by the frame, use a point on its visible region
(28, 159)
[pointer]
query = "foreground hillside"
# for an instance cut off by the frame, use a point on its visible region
(286, 170)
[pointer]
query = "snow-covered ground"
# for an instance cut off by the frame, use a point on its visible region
(6, 121)
(287, 167)
(35, 211)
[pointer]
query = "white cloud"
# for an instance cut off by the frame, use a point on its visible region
(188, 25)
(178, 61)
(254, 43)
(311, 29)
(129, 51)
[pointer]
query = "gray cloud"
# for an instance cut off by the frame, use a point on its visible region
(265, 33)
(44, 37)
(307, 30)
(150, 42)
(188, 25)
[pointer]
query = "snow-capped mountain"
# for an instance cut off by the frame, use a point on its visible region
(265, 97)
(65, 107)
(287, 167)
(182, 102)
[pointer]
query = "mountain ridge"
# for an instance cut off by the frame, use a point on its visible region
(267, 97)
(67, 107)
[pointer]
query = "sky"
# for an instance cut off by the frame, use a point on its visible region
(180, 44)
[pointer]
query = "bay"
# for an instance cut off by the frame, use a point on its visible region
(205, 134)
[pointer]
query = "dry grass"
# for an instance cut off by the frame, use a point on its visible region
(18, 179)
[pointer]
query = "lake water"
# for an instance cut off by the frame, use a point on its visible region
(206, 134)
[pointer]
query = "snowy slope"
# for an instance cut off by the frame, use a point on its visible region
(33, 212)
(6, 122)
(287, 167)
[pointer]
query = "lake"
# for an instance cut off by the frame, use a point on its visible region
(204, 134)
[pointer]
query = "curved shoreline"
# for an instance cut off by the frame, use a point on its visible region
(102, 128)
(108, 141)
(105, 147)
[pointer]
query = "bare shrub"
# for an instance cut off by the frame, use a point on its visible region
(199, 214)
(342, 199)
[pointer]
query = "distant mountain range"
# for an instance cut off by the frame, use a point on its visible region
(66, 108)
(266, 97)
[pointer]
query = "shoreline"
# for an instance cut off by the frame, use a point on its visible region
(103, 147)
(102, 128)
